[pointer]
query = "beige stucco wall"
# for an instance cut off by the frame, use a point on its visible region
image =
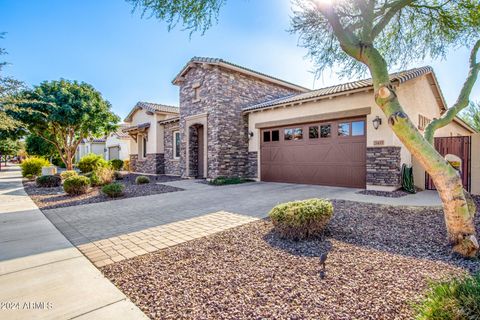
(417, 98)
(475, 166)
(124, 144)
(155, 132)
(415, 95)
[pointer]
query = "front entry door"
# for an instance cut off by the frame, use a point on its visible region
(201, 174)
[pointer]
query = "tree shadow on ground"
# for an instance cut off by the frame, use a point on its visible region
(412, 232)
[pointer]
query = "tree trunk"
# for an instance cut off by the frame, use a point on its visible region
(459, 216)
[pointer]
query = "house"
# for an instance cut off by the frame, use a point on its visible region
(91, 145)
(234, 121)
(147, 137)
(117, 144)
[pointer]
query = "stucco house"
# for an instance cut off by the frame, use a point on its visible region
(234, 121)
(93, 145)
(117, 144)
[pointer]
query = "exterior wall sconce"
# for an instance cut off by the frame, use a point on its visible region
(250, 134)
(377, 122)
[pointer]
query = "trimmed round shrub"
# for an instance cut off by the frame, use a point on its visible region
(33, 166)
(117, 175)
(458, 298)
(101, 176)
(301, 219)
(126, 165)
(116, 164)
(76, 185)
(142, 180)
(48, 181)
(113, 190)
(90, 162)
(67, 174)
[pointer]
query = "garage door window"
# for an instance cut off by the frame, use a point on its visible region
(293, 134)
(266, 136)
(313, 132)
(358, 128)
(271, 136)
(326, 131)
(344, 129)
(275, 135)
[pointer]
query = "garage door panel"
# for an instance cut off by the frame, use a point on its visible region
(333, 161)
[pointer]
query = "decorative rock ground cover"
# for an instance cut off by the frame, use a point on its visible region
(50, 198)
(380, 260)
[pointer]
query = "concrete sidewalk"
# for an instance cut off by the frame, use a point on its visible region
(42, 276)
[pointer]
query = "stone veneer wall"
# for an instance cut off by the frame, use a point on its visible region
(223, 93)
(172, 165)
(383, 166)
(252, 171)
(153, 163)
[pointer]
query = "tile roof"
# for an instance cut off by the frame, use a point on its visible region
(169, 120)
(94, 140)
(399, 77)
(119, 133)
(152, 107)
(158, 107)
(230, 65)
(136, 127)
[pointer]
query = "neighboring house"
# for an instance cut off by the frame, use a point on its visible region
(117, 144)
(94, 145)
(234, 121)
(147, 136)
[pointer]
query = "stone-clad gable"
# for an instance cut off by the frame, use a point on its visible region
(223, 93)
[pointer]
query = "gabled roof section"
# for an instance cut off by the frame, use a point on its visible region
(119, 132)
(153, 108)
(399, 77)
(238, 68)
(94, 140)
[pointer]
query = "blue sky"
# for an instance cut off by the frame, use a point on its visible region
(130, 59)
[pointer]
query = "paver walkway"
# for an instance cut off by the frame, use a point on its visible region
(118, 248)
(112, 231)
(42, 276)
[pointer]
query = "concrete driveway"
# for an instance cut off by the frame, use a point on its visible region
(112, 231)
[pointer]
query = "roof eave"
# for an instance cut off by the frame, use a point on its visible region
(180, 76)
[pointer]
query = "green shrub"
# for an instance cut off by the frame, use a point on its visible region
(113, 190)
(101, 176)
(117, 175)
(220, 181)
(33, 166)
(48, 181)
(458, 298)
(126, 165)
(67, 174)
(90, 162)
(76, 185)
(142, 180)
(116, 164)
(301, 219)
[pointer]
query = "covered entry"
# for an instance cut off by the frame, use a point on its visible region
(331, 153)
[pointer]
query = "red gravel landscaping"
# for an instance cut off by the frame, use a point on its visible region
(380, 260)
(50, 198)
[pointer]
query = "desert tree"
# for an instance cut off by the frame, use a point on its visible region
(472, 115)
(64, 113)
(374, 36)
(9, 127)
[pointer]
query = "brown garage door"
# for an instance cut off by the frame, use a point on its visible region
(329, 153)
